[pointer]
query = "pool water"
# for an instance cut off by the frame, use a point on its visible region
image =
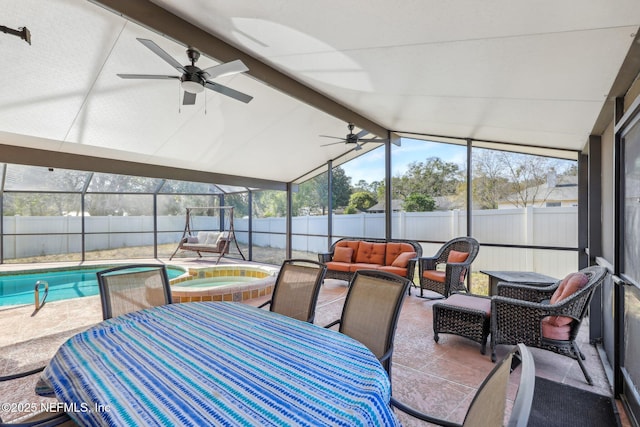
(17, 288)
(217, 281)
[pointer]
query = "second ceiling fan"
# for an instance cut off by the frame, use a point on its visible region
(193, 79)
(354, 138)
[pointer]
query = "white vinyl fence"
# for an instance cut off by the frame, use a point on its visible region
(552, 227)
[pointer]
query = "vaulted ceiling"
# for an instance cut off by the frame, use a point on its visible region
(537, 73)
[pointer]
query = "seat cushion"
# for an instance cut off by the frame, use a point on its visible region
(371, 253)
(363, 266)
(555, 332)
(457, 256)
(338, 266)
(435, 275)
(469, 301)
(395, 270)
(342, 254)
(402, 260)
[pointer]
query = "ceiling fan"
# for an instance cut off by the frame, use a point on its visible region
(353, 138)
(193, 79)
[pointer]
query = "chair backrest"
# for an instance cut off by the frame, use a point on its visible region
(489, 403)
(296, 290)
(371, 310)
(128, 288)
(460, 244)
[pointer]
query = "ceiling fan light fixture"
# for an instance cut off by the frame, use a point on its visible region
(192, 83)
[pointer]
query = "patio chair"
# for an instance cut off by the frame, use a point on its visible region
(371, 310)
(128, 288)
(41, 419)
(549, 317)
(446, 271)
(489, 404)
(296, 290)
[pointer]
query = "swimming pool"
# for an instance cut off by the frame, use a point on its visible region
(64, 283)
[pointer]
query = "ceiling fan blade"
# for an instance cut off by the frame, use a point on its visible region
(189, 98)
(373, 140)
(332, 143)
(226, 69)
(242, 97)
(362, 133)
(333, 137)
(162, 54)
(146, 76)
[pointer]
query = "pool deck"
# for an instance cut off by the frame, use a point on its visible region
(438, 378)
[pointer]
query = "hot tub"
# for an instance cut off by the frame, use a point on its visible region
(237, 282)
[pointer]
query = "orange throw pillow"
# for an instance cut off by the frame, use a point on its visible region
(457, 256)
(403, 259)
(342, 254)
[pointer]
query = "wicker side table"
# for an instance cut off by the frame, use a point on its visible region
(466, 315)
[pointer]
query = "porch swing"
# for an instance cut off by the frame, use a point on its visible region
(217, 241)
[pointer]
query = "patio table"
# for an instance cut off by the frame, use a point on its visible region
(217, 363)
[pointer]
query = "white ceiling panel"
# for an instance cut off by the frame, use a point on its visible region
(533, 73)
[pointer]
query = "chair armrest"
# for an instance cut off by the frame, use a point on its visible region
(335, 322)
(526, 291)
(428, 263)
(325, 257)
(21, 374)
(264, 304)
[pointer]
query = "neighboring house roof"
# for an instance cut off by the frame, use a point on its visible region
(396, 206)
(556, 189)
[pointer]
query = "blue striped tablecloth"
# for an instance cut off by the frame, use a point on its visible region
(218, 363)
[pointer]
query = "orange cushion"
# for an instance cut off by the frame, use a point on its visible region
(342, 254)
(371, 253)
(363, 266)
(457, 256)
(353, 244)
(395, 270)
(403, 259)
(435, 275)
(338, 266)
(394, 249)
(569, 285)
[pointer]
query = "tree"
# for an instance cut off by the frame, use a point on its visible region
(341, 188)
(489, 184)
(512, 177)
(416, 202)
(362, 200)
(434, 177)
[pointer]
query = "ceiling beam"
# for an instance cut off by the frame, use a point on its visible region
(154, 17)
(54, 159)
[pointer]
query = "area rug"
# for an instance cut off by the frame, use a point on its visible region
(556, 404)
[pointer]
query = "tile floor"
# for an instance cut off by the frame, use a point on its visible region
(437, 378)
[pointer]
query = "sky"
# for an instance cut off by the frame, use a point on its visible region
(370, 167)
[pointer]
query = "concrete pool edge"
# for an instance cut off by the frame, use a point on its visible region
(265, 278)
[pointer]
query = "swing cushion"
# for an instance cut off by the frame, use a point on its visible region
(192, 239)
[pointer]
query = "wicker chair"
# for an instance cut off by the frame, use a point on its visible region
(456, 255)
(128, 288)
(296, 290)
(517, 314)
(371, 310)
(489, 404)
